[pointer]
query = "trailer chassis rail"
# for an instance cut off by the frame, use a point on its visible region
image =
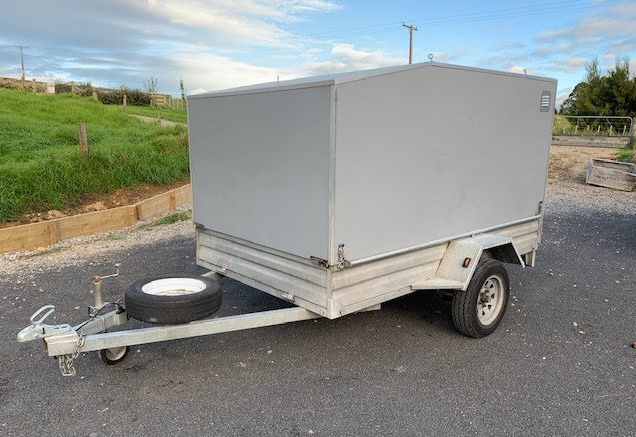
(93, 335)
(67, 343)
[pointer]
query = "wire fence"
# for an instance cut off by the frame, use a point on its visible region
(594, 126)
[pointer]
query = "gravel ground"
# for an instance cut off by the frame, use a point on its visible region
(76, 251)
(560, 363)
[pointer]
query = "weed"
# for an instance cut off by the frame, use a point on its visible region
(44, 252)
(172, 218)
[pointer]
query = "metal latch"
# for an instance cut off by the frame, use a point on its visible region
(319, 261)
(39, 329)
(343, 263)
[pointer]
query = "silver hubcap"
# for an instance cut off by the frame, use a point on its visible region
(490, 300)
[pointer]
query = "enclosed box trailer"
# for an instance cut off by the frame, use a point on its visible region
(339, 193)
(344, 191)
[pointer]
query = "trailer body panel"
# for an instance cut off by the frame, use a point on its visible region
(433, 153)
(260, 167)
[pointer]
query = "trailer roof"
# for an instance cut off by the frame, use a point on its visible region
(336, 78)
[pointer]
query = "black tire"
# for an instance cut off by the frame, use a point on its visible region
(173, 309)
(465, 303)
(114, 356)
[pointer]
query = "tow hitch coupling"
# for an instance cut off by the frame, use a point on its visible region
(38, 329)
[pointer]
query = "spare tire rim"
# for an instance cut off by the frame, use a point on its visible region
(173, 286)
(490, 300)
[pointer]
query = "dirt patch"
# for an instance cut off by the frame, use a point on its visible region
(160, 122)
(570, 163)
(99, 202)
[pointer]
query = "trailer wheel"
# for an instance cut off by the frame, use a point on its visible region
(478, 311)
(114, 355)
(173, 299)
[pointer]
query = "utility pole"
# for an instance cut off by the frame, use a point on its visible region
(411, 28)
(22, 61)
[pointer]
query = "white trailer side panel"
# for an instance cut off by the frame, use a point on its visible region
(260, 167)
(431, 153)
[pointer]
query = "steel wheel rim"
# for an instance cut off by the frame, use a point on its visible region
(115, 353)
(490, 300)
(173, 286)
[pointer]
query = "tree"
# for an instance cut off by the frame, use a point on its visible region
(151, 85)
(611, 94)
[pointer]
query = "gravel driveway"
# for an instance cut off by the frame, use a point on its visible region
(560, 363)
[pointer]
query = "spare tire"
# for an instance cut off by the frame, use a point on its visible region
(173, 299)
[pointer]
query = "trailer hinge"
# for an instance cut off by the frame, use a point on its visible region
(342, 261)
(198, 226)
(540, 208)
(319, 261)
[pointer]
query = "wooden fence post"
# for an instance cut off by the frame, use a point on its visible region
(83, 141)
(95, 96)
(125, 102)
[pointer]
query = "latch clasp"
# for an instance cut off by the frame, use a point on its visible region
(343, 263)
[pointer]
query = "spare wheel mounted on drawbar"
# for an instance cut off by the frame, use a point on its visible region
(173, 300)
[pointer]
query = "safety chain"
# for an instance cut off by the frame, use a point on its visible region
(66, 361)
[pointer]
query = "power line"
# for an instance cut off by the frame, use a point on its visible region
(483, 16)
(468, 14)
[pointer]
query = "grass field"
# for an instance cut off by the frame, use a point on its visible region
(166, 114)
(41, 166)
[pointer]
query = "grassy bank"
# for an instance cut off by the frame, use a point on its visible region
(41, 166)
(166, 113)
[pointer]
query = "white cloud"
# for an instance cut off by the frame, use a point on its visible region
(248, 21)
(519, 70)
(364, 58)
(617, 22)
(553, 49)
(623, 46)
(626, 9)
(346, 57)
(450, 55)
(568, 65)
(212, 72)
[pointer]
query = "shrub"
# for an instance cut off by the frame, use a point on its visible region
(116, 97)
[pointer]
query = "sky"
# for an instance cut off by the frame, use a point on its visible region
(218, 44)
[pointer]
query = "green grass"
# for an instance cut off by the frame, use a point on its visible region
(172, 218)
(44, 252)
(41, 167)
(561, 124)
(627, 154)
(564, 126)
(166, 114)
